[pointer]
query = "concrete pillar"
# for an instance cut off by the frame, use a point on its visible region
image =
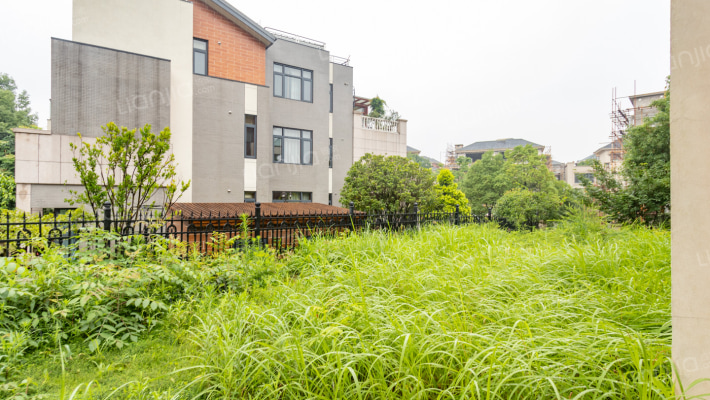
(690, 190)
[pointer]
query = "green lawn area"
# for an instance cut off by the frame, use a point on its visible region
(468, 312)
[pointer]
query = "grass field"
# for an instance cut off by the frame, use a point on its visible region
(447, 313)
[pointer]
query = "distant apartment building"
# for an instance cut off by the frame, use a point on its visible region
(642, 106)
(475, 151)
(255, 114)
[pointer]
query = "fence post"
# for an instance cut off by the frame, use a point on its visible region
(352, 215)
(257, 222)
(457, 216)
(107, 216)
(416, 216)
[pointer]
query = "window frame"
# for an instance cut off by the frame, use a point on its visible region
(330, 157)
(206, 52)
(587, 175)
(300, 197)
(283, 76)
(331, 97)
(283, 141)
(250, 200)
(246, 127)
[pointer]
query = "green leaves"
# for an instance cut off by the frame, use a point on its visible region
(127, 170)
(641, 191)
(393, 184)
(448, 196)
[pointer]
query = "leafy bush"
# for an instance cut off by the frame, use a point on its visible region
(109, 296)
(392, 183)
(524, 208)
(448, 196)
(13, 227)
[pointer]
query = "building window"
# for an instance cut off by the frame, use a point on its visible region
(588, 176)
(292, 197)
(250, 197)
(293, 83)
(250, 136)
(293, 146)
(331, 97)
(199, 56)
(330, 158)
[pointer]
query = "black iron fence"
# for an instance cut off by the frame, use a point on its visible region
(205, 233)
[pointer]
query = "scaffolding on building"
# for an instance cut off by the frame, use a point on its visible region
(621, 119)
(450, 160)
(548, 157)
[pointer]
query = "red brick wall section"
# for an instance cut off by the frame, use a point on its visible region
(240, 57)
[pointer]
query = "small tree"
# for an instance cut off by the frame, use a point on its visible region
(522, 207)
(379, 109)
(127, 171)
(486, 182)
(448, 196)
(464, 164)
(15, 112)
(393, 183)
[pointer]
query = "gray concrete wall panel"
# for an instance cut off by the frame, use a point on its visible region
(218, 140)
(342, 127)
(92, 86)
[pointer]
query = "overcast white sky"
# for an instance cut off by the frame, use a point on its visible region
(459, 71)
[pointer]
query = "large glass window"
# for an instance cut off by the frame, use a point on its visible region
(293, 83)
(199, 56)
(293, 146)
(250, 136)
(292, 197)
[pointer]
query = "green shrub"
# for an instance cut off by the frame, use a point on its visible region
(108, 290)
(12, 227)
(524, 208)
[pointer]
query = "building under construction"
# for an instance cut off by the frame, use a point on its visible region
(625, 113)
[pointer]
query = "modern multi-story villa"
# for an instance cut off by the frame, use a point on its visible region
(255, 114)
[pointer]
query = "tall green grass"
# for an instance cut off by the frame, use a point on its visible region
(581, 311)
(449, 313)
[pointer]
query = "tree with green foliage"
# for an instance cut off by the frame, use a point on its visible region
(392, 183)
(15, 112)
(422, 161)
(129, 171)
(526, 168)
(523, 169)
(641, 190)
(448, 196)
(522, 207)
(486, 182)
(379, 109)
(464, 164)
(7, 191)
